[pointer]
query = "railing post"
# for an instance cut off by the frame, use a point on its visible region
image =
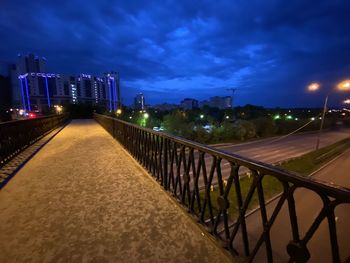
(159, 153)
(165, 163)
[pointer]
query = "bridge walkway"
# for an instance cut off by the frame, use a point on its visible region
(82, 198)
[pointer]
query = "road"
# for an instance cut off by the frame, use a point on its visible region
(273, 150)
(308, 205)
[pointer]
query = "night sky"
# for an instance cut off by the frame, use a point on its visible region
(268, 50)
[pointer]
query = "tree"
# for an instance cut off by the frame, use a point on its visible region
(202, 135)
(244, 130)
(265, 127)
(177, 123)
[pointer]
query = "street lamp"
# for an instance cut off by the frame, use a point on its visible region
(343, 86)
(201, 116)
(58, 109)
(347, 101)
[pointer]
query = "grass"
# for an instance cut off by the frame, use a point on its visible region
(271, 187)
(310, 162)
(303, 165)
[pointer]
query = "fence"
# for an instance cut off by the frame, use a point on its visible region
(15, 136)
(220, 189)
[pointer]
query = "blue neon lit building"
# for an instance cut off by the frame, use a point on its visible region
(41, 90)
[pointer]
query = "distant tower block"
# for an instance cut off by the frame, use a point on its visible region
(233, 90)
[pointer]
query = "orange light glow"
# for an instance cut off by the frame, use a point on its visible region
(344, 85)
(313, 86)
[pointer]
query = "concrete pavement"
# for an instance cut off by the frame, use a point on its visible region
(82, 198)
(308, 205)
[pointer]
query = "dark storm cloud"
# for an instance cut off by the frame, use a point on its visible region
(173, 49)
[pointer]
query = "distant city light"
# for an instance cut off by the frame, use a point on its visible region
(201, 116)
(312, 118)
(119, 111)
(130, 117)
(313, 86)
(58, 109)
(289, 117)
(227, 117)
(347, 101)
(296, 119)
(276, 117)
(146, 115)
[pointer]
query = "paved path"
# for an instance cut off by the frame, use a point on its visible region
(10, 168)
(82, 198)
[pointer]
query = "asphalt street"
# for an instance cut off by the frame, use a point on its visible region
(308, 205)
(274, 150)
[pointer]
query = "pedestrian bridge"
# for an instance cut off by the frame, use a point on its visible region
(82, 198)
(144, 197)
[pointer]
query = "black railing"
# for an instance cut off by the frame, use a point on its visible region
(15, 136)
(197, 174)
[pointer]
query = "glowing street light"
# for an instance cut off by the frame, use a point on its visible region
(201, 116)
(277, 117)
(58, 109)
(347, 101)
(146, 115)
(119, 111)
(344, 85)
(313, 86)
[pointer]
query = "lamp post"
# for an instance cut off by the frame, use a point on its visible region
(342, 86)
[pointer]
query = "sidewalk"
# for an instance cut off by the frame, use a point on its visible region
(82, 198)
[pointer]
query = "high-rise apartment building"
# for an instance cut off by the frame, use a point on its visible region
(189, 104)
(35, 89)
(218, 102)
(139, 102)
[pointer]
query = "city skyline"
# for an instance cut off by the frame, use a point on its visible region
(269, 53)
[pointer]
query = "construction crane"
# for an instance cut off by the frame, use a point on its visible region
(233, 93)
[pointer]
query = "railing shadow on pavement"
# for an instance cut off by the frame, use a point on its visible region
(17, 135)
(192, 173)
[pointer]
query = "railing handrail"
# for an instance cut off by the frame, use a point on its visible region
(16, 135)
(181, 167)
(312, 183)
(39, 117)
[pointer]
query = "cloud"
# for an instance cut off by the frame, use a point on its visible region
(268, 49)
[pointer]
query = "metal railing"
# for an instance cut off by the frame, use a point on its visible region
(15, 136)
(196, 175)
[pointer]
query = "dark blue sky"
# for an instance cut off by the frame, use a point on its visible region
(169, 50)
